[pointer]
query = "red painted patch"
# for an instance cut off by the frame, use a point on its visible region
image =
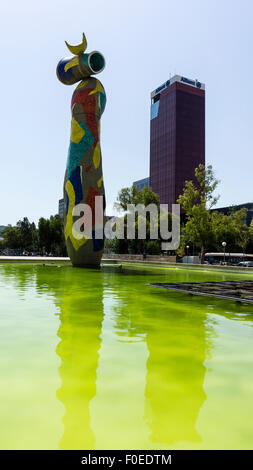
(88, 168)
(80, 96)
(92, 124)
(88, 103)
(90, 200)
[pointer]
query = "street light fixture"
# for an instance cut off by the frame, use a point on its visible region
(187, 247)
(224, 244)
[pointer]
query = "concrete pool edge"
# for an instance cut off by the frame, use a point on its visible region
(158, 264)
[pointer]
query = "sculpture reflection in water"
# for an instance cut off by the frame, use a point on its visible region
(117, 394)
(81, 316)
(177, 341)
(174, 370)
(80, 339)
(174, 387)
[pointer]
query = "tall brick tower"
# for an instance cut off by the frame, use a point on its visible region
(177, 136)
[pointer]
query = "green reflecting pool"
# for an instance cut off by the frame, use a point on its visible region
(98, 360)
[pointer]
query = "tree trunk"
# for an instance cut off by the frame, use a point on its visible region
(202, 256)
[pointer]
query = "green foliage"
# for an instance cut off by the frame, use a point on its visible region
(208, 229)
(44, 235)
(109, 246)
(146, 197)
(200, 194)
(50, 235)
(153, 247)
(243, 233)
(48, 238)
(12, 237)
(135, 196)
(196, 201)
(183, 242)
(207, 185)
(121, 246)
(57, 235)
(126, 196)
(27, 233)
(232, 229)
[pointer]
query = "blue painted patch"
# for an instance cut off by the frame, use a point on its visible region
(102, 101)
(98, 243)
(75, 179)
(66, 203)
(65, 76)
(84, 59)
(77, 151)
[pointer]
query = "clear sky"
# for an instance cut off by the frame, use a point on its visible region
(144, 42)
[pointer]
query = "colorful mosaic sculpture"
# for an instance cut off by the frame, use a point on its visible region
(84, 179)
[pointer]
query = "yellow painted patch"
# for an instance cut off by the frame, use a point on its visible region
(82, 84)
(79, 48)
(77, 243)
(99, 182)
(69, 222)
(77, 132)
(98, 88)
(71, 63)
(96, 156)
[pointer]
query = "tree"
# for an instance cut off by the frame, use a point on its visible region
(196, 201)
(208, 229)
(243, 232)
(50, 235)
(57, 236)
(27, 232)
(146, 197)
(232, 229)
(44, 235)
(12, 238)
(136, 196)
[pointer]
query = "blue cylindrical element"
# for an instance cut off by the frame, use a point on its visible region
(73, 69)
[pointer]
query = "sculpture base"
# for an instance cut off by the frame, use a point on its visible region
(88, 266)
(85, 256)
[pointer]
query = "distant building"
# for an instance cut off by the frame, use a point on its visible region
(2, 227)
(177, 136)
(229, 209)
(61, 208)
(141, 183)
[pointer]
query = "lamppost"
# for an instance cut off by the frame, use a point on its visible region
(187, 247)
(224, 247)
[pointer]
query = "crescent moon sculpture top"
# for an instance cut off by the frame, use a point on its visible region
(79, 48)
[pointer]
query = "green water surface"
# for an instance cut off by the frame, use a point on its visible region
(96, 359)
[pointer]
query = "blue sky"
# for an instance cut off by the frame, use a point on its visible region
(143, 42)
